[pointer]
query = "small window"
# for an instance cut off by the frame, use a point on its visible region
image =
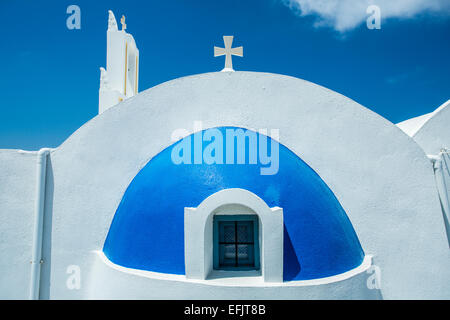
(236, 242)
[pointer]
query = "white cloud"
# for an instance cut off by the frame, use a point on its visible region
(344, 15)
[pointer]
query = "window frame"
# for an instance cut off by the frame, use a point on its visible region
(198, 233)
(216, 245)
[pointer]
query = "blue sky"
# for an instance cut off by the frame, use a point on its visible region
(50, 74)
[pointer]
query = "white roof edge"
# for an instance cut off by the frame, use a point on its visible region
(413, 125)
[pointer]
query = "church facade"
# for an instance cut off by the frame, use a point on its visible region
(228, 185)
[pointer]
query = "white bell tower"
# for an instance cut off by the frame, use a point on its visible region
(120, 80)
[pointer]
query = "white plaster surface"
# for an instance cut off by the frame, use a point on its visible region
(382, 178)
(442, 174)
(110, 279)
(434, 135)
(17, 196)
(411, 126)
(120, 80)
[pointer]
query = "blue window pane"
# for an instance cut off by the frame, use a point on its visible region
(245, 231)
(236, 242)
(245, 255)
(227, 255)
(227, 231)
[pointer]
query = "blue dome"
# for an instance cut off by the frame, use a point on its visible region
(147, 231)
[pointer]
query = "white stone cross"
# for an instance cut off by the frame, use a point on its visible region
(228, 52)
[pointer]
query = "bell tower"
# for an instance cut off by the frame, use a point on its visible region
(120, 79)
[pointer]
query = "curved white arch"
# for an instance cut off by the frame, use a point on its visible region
(340, 139)
(198, 233)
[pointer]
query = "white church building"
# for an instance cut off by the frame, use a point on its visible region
(228, 185)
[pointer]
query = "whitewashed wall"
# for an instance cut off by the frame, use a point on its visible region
(435, 133)
(381, 176)
(17, 194)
